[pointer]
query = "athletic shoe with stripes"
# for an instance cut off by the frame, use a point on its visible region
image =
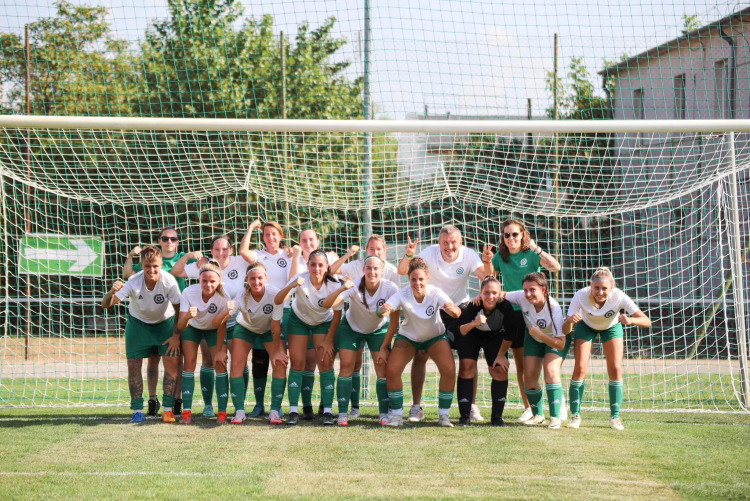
(416, 414)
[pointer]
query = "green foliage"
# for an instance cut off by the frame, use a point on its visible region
(577, 97)
(690, 22)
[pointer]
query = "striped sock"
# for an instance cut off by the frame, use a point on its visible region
(615, 398)
(445, 399)
(575, 396)
(554, 399)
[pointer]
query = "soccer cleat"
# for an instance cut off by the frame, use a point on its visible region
(527, 414)
(307, 413)
(153, 406)
(383, 419)
(293, 418)
(538, 419)
(394, 421)
(464, 421)
(445, 421)
(168, 417)
(177, 408)
(554, 423)
(221, 417)
(416, 414)
(616, 424)
(575, 421)
(138, 417)
(354, 414)
(274, 417)
(239, 417)
(497, 421)
(208, 411)
(258, 411)
(187, 417)
(475, 414)
(327, 419)
(343, 420)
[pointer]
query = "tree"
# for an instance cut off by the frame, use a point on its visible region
(690, 22)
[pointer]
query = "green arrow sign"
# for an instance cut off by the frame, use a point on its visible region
(61, 255)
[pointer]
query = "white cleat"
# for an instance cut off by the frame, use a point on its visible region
(416, 414)
(575, 422)
(394, 421)
(535, 420)
(554, 423)
(616, 424)
(527, 414)
(445, 421)
(383, 419)
(475, 415)
(354, 414)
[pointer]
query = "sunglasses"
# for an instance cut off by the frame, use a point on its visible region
(170, 239)
(514, 235)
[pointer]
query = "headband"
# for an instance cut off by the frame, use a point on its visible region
(318, 251)
(376, 257)
(603, 279)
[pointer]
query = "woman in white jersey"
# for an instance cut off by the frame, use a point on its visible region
(258, 320)
(310, 319)
(595, 311)
(232, 281)
(375, 247)
(362, 324)
(421, 330)
(200, 304)
(545, 346)
(153, 296)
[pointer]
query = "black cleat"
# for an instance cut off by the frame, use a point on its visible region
(328, 419)
(464, 421)
(307, 413)
(153, 406)
(177, 409)
(293, 418)
(497, 421)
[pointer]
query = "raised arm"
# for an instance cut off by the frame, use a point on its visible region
(110, 299)
(283, 294)
(334, 298)
(336, 266)
(486, 269)
(185, 317)
(127, 269)
(249, 255)
(638, 319)
(409, 254)
(546, 259)
(178, 270)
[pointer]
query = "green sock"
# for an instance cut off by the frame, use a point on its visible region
(445, 399)
(167, 400)
(575, 396)
(207, 384)
(343, 392)
(554, 399)
(535, 400)
(327, 388)
(382, 392)
(259, 389)
(615, 398)
(356, 384)
(295, 386)
(396, 400)
(222, 390)
(188, 387)
(237, 384)
(308, 381)
(136, 404)
(246, 377)
(277, 393)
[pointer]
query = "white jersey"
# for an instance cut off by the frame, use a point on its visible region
(308, 301)
(605, 317)
(452, 278)
(216, 306)
(422, 321)
(279, 265)
(256, 316)
(232, 277)
(552, 326)
(363, 319)
(150, 306)
(356, 270)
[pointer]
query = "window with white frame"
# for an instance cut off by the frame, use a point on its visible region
(680, 97)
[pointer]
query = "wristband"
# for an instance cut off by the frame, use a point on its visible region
(407, 256)
(538, 251)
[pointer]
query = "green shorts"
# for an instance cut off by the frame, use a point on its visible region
(257, 340)
(198, 335)
(349, 339)
(583, 331)
(533, 348)
(297, 327)
(142, 339)
(230, 333)
(423, 345)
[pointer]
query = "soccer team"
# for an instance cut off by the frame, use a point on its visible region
(286, 306)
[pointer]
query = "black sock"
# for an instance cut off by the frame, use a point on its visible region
(261, 361)
(499, 392)
(465, 392)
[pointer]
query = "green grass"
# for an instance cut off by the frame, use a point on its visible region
(96, 453)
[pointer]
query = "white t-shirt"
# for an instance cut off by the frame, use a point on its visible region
(541, 319)
(605, 317)
(421, 320)
(308, 301)
(232, 277)
(365, 319)
(356, 270)
(150, 306)
(452, 278)
(257, 315)
(279, 266)
(193, 296)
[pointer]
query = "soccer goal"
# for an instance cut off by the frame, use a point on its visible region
(664, 204)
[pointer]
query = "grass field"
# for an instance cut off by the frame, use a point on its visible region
(96, 453)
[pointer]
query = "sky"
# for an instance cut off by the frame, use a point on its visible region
(458, 57)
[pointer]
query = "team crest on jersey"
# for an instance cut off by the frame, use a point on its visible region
(524, 262)
(140, 296)
(320, 302)
(212, 308)
(381, 302)
(460, 271)
(281, 262)
(232, 275)
(268, 309)
(609, 313)
(430, 310)
(159, 298)
(542, 323)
